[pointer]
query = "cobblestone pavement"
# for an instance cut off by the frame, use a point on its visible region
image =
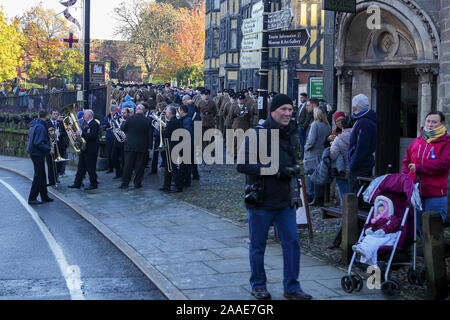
(220, 190)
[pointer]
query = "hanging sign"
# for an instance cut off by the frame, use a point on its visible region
(288, 38)
(98, 72)
(257, 9)
(250, 60)
(280, 19)
(340, 5)
(252, 25)
(252, 42)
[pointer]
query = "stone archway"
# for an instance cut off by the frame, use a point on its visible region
(407, 38)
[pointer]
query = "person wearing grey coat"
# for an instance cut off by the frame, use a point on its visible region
(314, 146)
(339, 147)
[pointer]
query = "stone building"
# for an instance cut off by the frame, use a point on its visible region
(289, 69)
(397, 52)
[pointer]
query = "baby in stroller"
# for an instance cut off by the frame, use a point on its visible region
(381, 230)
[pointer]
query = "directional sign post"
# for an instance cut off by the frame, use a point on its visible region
(340, 5)
(279, 19)
(288, 38)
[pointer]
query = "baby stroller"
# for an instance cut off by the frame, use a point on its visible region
(405, 197)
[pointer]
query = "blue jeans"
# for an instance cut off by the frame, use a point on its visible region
(342, 187)
(438, 205)
(285, 222)
(301, 135)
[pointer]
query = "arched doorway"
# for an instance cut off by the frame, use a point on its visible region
(395, 63)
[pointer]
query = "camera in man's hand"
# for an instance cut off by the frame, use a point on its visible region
(288, 172)
(253, 194)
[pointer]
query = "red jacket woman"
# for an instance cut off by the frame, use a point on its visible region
(429, 157)
(432, 162)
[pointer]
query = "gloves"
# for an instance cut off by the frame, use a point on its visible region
(369, 231)
(285, 172)
(379, 232)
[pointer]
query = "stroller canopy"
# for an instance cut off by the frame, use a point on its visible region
(394, 185)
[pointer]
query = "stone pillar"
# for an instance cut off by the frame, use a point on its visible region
(345, 78)
(426, 78)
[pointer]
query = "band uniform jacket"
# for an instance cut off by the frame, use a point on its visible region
(240, 118)
(139, 132)
(172, 125)
(208, 111)
(63, 140)
(90, 134)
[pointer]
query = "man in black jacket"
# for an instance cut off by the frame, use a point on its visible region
(88, 158)
(139, 131)
(51, 165)
(38, 146)
(172, 124)
(268, 200)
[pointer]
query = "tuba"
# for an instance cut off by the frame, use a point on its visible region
(72, 126)
(118, 134)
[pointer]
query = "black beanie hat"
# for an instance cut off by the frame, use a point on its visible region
(280, 100)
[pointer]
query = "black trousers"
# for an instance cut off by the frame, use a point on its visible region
(109, 153)
(118, 159)
(133, 160)
(61, 166)
(39, 185)
(186, 170)
(352, 178)
(156, 155)
(51, 169)
(87, 162)
(175, 175)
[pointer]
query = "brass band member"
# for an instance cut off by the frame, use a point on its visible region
(88, 158)
(139, 131)
(51, 166)
(172, 124)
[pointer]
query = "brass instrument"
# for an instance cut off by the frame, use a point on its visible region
(55, 152)
(72, 126)
(158, 123)
(118, 134)
(54, 144)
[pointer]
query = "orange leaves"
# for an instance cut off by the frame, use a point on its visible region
(189, 47)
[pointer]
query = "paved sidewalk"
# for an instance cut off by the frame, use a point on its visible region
(190, 253)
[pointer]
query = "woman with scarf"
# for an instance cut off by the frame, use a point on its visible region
(427, 160)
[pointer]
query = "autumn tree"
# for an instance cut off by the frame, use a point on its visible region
(43, 46)
(147, 26)
(11, 48)
(187, 54)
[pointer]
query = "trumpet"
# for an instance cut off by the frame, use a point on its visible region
(72, 126)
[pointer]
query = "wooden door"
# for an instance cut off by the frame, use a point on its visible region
(388, 111)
